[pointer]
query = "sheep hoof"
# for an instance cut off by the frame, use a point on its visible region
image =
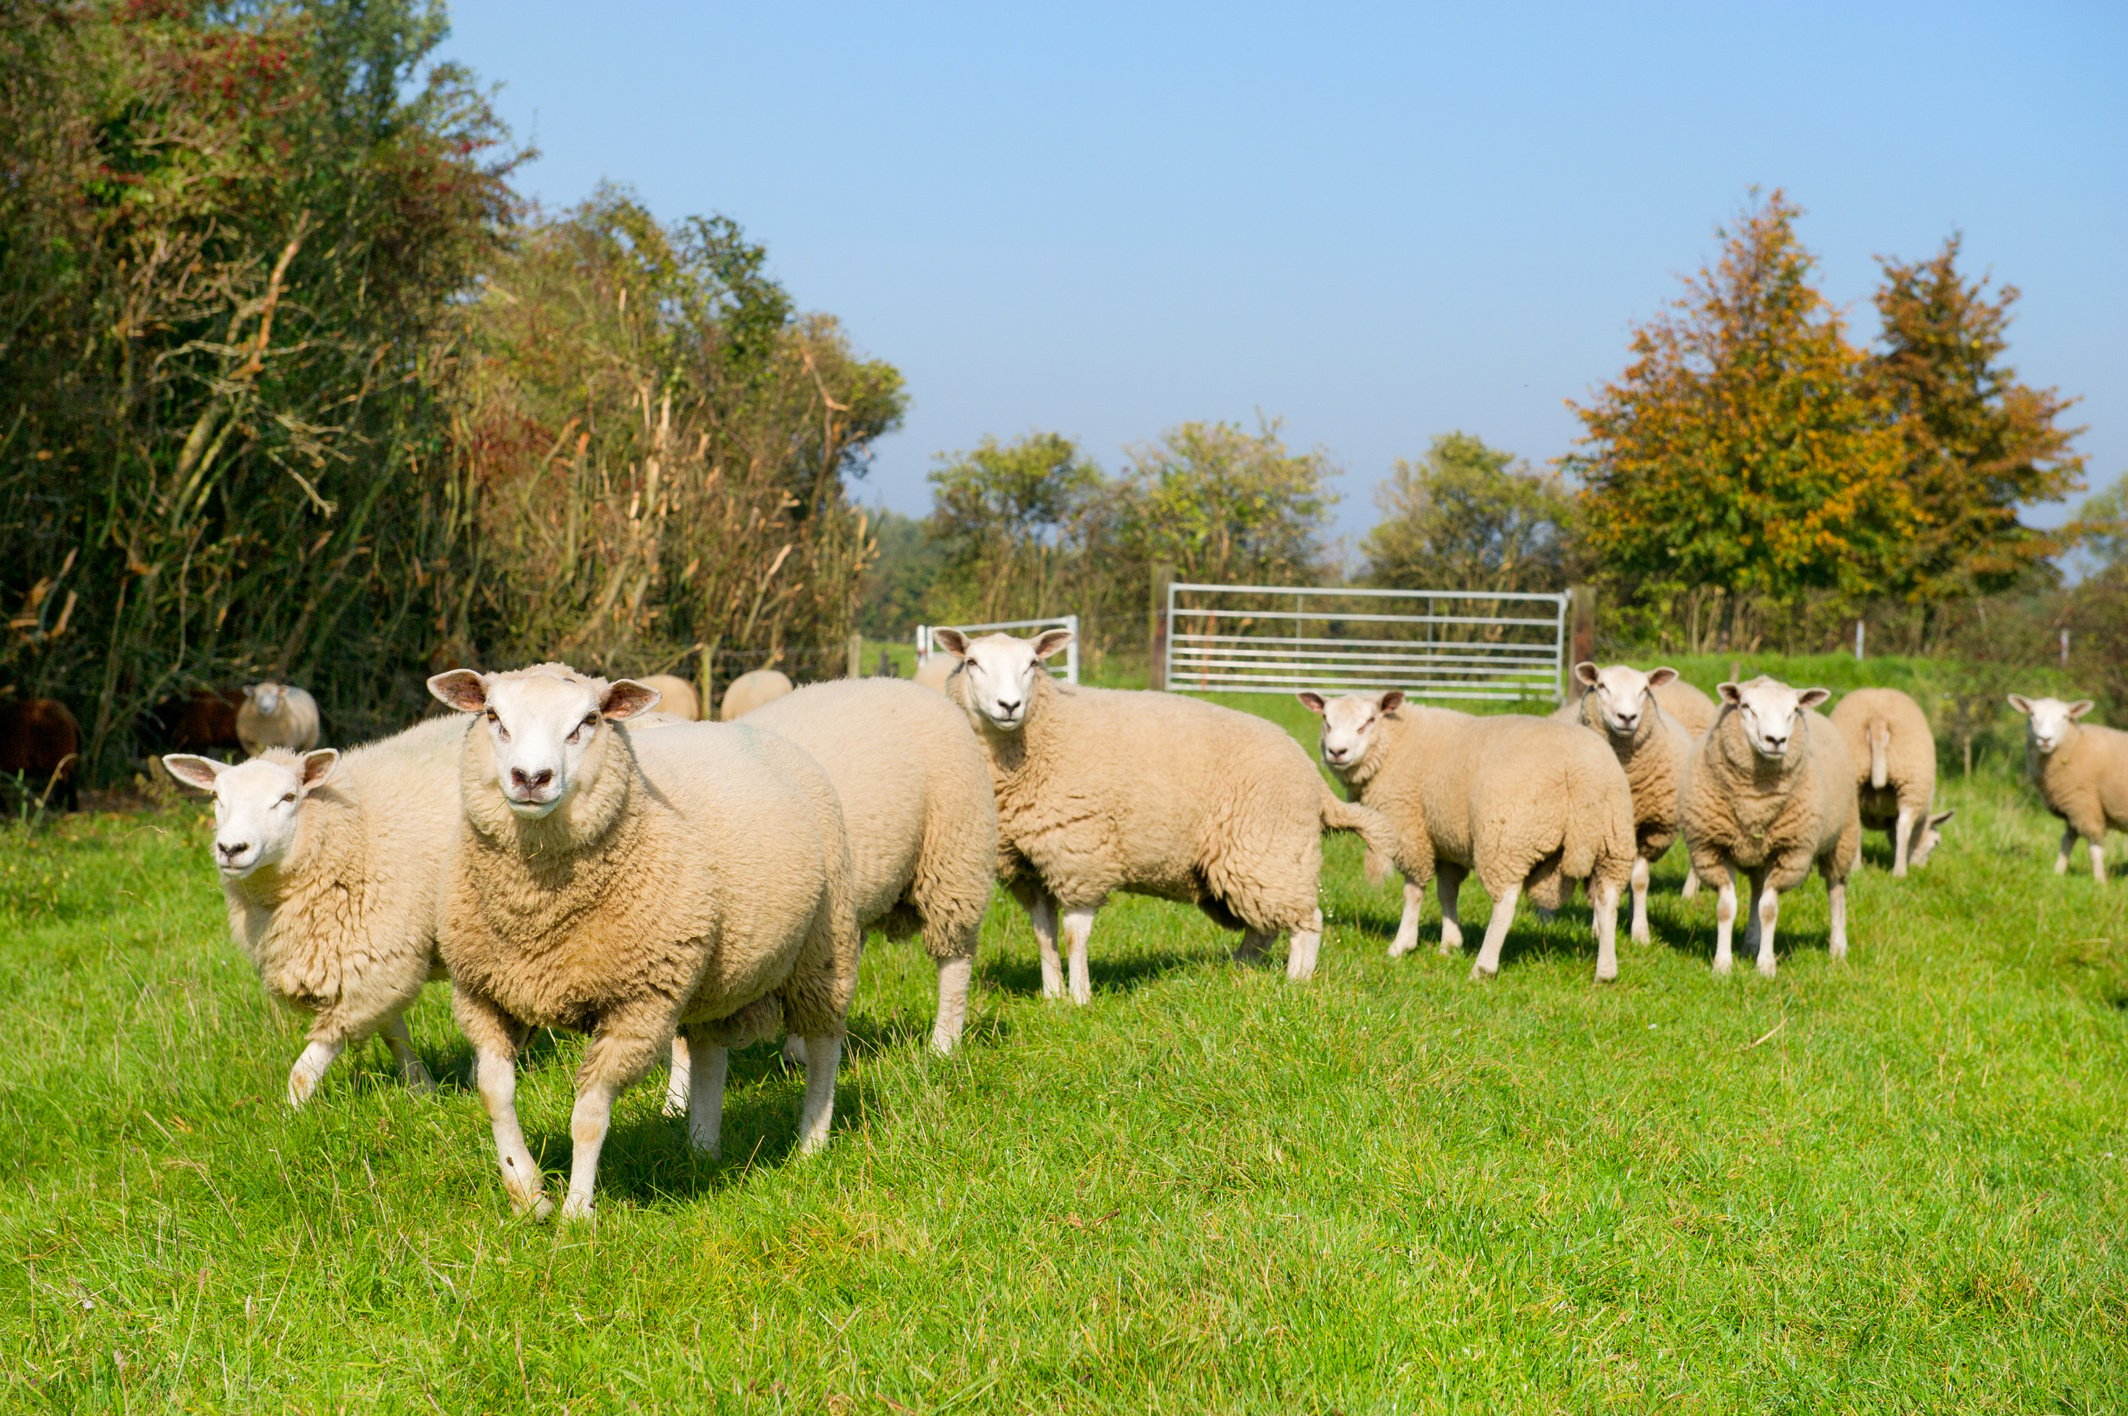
(538, 1207)
(1640, 935)
(1609, 975)
(1398, 948)
(1766, 968)
(575, 1207)
(1721, 967)
(1480, 973)
(419, 1082)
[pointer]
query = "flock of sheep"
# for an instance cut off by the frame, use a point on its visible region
(676, 888)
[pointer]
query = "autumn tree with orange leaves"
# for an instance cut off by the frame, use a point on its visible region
(1745, 460)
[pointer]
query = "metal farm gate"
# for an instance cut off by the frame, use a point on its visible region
(927, 645)
(1452, 644)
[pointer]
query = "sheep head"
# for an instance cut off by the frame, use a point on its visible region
(1349, 725)
(266, 697)
(2048, 721)
(1768, 710)
(257, 804)
(544, 723)
(1622, 694)
(1001, 670)
(1931, 837)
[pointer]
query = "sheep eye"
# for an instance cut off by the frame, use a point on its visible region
(287, 799)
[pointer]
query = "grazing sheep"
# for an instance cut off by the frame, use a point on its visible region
(1694, 711)
(1619, 702)
(201, 721)
(1100, 790)
(331, 864)
(41, 742)
(277, 715)
(750, 690)
(1895, 771)
(1528, 803)
(933, 672)
(2081, 771)
(1768, 792)
(676, 696)
(695, 878)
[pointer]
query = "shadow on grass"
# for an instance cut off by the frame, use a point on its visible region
(1015, 975)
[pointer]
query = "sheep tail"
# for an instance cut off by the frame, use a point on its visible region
(1369, 825)
(1879, 734)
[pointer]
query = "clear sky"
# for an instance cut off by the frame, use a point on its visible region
(1379, 223)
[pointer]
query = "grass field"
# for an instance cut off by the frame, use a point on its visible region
(1895, 1185)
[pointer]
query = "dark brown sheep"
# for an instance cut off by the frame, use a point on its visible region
(41, 742)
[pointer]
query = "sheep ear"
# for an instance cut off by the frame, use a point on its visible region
(1390, 701)
(461, 689)
(625, 698)
(318, 767)
(1658, 677)
(1311, 700)
(952, 641)
(1049, 641)
(2080, 707)
(190, 771)
(2021, 703)
(1585, 674)
(1731, 694)
(1940, 817)
(1812, 697)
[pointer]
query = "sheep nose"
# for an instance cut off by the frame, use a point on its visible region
(1008, 707)
(231, 852)
(530, 781)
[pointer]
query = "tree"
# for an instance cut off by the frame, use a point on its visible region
(1976, 441)
(1744, 449)
(1470, 517)
(1005, 515)
(1227, 506)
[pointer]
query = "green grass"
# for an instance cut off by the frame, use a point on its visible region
(1895, 1185)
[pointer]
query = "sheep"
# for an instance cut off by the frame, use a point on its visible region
(201, 721)
(1694, 711)
(2081, 771)
(40, 742)
(330, 867)
(1895, 771)
(1620, 703)
(933, 672)
(1100, 790)
(676, 696)
(1527, 803)
(693, 879)
(277, 715)
(750, 690)
(1769, 791)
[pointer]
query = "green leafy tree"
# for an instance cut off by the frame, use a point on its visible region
(1745, 455)
(1977, 443)
(1228, 506)
(1006, 516)
(1470, 517)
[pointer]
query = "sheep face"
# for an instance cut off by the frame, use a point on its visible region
(1768, 710)
(544, 725)
(266, 697)
(1931, 837)
(1349, 725)
(1000, 670)
(1621, 694)
(2048, 721)
(257, 804)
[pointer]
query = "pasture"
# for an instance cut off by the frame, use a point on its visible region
(1898, 1184)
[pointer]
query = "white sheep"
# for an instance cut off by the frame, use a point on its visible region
(693, 879)
(916, 801)
(1694, 711)
(750, 690)
(1101, 790)
(933, 672)
(276, 715)
(1770, 791)
(1529, 804)
(2081, 770)
(1651, 746)
(331, 865)
(1895, 771)
(676, 696)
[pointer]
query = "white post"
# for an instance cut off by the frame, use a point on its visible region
(923, 636)
(1858, 640)
(2065, 646)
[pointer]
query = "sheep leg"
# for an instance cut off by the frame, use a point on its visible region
(1724, 920)
(953, 976)
(1407, 935)
(708, 1065)
(1640, 900)
(816, 1109)
(495, 1072)
(1042, 914)
(1078, 923)
(2098, 861)
(310, 1067)
(1502, 916)
(1603, 899)
(1302, 947)
(1251, 948)
(1691, 886)
(588, 1123)
(1449, 882)
(411, 1071)
(1769, 916)
(678, 1080)
(1902, 836)
(2061, 862)
(793, 1050)
(1836, 901)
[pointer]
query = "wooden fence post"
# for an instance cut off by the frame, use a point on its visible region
(708, 672)
(856, 656)
(1581, 633)
(1157, 625)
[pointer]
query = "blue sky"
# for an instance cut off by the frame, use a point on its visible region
(1378, 223)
